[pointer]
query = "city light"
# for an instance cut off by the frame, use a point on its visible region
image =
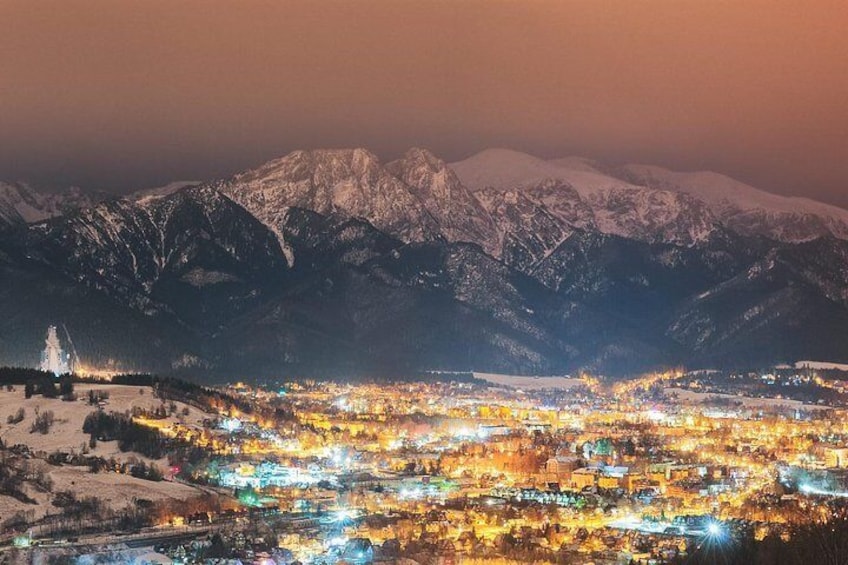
(715, 530)
(345, 515)
(448, 461)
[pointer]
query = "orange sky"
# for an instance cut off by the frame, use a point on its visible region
(121, 94)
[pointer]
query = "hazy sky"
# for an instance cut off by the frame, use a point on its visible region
(120, 94)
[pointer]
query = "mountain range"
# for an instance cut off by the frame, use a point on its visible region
(333, 262)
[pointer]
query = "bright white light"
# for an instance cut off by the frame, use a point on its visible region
(464, 433)
(411, 493)
(231, 424)
(344, 515)
(655, 415)
(716, 531)
(342, 404)
(809, 489)
(336, 541)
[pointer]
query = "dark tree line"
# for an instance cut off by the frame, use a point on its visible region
(38, 382)
(20, 375)
(132, 467)
(193, 394)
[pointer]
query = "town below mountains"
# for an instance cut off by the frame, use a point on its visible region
(331, 262)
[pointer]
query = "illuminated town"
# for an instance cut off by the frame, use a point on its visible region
(498, 469)
(423, 282)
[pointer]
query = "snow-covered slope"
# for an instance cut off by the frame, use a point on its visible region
(518, 207)
(654, 204)
(149, 194)
(746, 209)
(415, 198)
(195, 235)
(617, 207)
(503, 169)
(22, 204)
(348, 182)
(16, 202)
(458, 214)
(531, 226)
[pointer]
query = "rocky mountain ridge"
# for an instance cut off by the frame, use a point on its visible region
(329, 261)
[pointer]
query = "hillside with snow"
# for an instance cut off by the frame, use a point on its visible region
(656, 204)
(22, 204)
(746, 209)
(156, 192)
(617, 207)
(116, 490)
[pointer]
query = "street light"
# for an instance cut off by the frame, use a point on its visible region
(715, 530)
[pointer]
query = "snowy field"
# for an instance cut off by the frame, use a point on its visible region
(115, 490)
(821, 365)
(746, 401)
(66, 434)
(529, 383)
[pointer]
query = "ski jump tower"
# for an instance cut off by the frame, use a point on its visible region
(53, 358)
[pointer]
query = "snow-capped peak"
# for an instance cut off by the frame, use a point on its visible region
(150, 194)
(504, 169)
(747, 209)
(20, 203)
(349, 182)
(458, 213)
(619, 207)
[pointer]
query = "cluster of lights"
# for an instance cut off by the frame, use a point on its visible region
(231, 425)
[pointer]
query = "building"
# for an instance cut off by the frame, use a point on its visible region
(836, 457)
(584, 478)
(561, 466)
